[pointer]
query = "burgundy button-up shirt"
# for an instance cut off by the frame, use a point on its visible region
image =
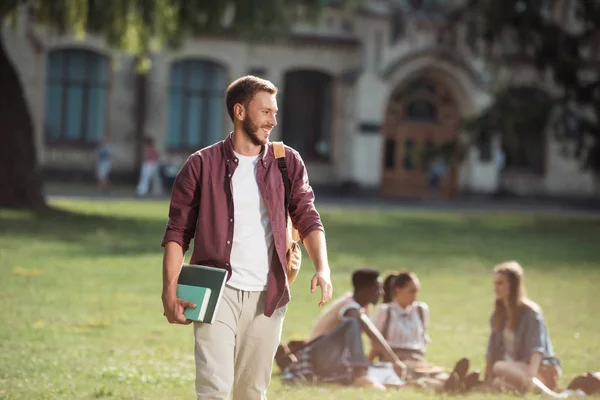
(202, 208)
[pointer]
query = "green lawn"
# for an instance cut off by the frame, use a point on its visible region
(82, 318)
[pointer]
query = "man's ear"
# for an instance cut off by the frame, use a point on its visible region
(239, 112)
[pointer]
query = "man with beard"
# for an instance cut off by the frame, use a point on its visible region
(229, 197)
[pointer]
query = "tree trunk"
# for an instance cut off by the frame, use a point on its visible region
(20, 176)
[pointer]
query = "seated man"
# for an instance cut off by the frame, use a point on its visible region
(334, 351)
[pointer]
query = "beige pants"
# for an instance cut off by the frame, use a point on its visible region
(237, 350)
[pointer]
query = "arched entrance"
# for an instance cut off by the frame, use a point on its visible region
(421, 116)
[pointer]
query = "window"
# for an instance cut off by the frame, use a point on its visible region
(196, 104)
(389, 153)
(409, 154)
(76, 87)
(419, 100)
(307, 113)
(420, 110)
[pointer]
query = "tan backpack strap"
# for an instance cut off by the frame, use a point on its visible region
(278, 150)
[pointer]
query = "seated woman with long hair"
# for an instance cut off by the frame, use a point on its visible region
(519, 347)
(402, 321)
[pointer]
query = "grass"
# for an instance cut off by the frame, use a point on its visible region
(82, 318)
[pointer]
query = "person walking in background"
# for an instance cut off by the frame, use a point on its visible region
(103, 164)
(437, 170)
(149, 173)
(229, 197)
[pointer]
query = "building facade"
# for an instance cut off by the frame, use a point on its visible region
(363, 96)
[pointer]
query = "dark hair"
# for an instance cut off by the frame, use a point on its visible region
(388, 289)
(242, 91)
(394, 281)
(364, 277)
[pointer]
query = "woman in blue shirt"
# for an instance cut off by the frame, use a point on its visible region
(519, 347)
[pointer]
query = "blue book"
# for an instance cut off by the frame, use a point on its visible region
(204, 286)
(198, 295)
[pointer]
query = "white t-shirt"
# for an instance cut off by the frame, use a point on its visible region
(252, 247)
(508, 337)
(405, 329)
(332, 315)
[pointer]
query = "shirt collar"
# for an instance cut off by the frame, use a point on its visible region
(267, 151)
(401, 310)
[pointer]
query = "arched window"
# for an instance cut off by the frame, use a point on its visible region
(420, 110)
(196, 104)
(307, 113)
(76, 87)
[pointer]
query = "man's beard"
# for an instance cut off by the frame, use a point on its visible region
(251, 131)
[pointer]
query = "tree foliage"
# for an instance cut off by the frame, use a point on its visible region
(560, 38)
(140, 26)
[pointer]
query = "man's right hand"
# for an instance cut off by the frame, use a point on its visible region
(174, 308)
(401, 369)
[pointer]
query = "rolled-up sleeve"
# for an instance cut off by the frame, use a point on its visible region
(305, 216)
(183, 210)
(537, 334)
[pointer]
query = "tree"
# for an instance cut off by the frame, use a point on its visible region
(559, 37)
(137, 26)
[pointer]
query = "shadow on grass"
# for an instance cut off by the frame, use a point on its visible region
(353, 233)
(90, 234)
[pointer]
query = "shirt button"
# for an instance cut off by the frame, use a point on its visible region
(228, 242)
(227, 264)
(229, 175)
(230, 219)
(235, 159)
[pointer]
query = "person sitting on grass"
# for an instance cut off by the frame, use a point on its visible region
(334, 351)
(519, 347)
(403, 322)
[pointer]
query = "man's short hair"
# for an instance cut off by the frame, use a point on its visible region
(364, 277)
(243, 89)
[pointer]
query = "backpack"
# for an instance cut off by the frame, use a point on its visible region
(293, 252)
